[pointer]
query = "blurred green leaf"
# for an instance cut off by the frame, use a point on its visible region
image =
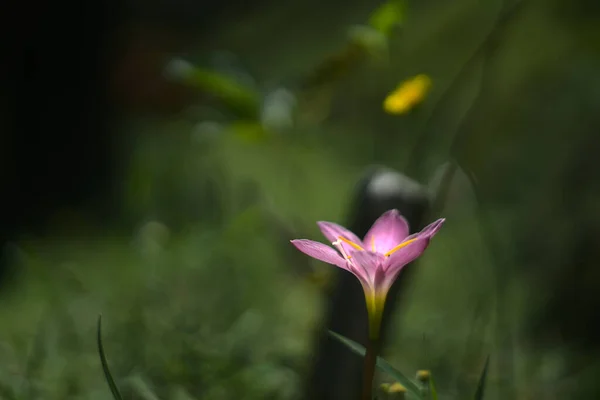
(381, 364)
(223, 86)
(239, 97)
(432, 389)
(35, 361)
(142, 389)
(388, 15)
(372, 40)
(482, 379)
(109, 379)
(250, 131)
(7, 392)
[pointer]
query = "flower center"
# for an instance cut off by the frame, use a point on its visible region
(359, 248)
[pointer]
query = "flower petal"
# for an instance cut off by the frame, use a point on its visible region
(411, 251)
(405, 255)
(429, 231)
(321, 252)
(397, 261)
(433, 228)
(366, 263)
(382, 283)
(333, 231)
(387, 232)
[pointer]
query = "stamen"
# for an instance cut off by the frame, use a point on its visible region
(401, 245)
(357, 247)
(373, 244)
(338, 245)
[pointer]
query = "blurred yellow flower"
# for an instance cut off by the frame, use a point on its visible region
(407, 95)
(392, 391)
(396, 388)
(423, 376)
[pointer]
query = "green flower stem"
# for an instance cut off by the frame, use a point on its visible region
(375, 304)
(369, 371)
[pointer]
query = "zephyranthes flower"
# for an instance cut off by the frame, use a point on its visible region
(377, 260)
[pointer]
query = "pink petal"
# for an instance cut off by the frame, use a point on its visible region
(405, 255)
(366, 263)
(412, 251)
(381, 282)
(433, 228)
(333, 231)
(387, 232)
(429, 231)
(397, 261)
(320, 251)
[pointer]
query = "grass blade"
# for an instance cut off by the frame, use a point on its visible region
(382, 365)
(109, 379)
(35, 361)
(432, 390)
(7, 392)
(142, 389)
(481, 385)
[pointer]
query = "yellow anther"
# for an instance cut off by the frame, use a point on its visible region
(373, 243)
(357, 247)
(401, 245)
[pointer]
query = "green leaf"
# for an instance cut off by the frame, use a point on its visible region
(111, 383)
(7, 392)
(239, 97)
(432, 389)
(35, 362)
(481, 385)
(388, 15)
(382, 365)
(142, 389)
(371, 39)
(250, 131)
(234, 94)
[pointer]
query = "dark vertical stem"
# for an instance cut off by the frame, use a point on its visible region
(369, 371)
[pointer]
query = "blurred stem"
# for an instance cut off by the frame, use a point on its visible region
(369, 371)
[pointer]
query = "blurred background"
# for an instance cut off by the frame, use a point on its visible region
(156, 157)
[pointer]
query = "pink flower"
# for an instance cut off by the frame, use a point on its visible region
(376, 261)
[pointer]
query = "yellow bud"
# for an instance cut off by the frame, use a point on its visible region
(423, 376)
(396, 388)
(393, 391)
